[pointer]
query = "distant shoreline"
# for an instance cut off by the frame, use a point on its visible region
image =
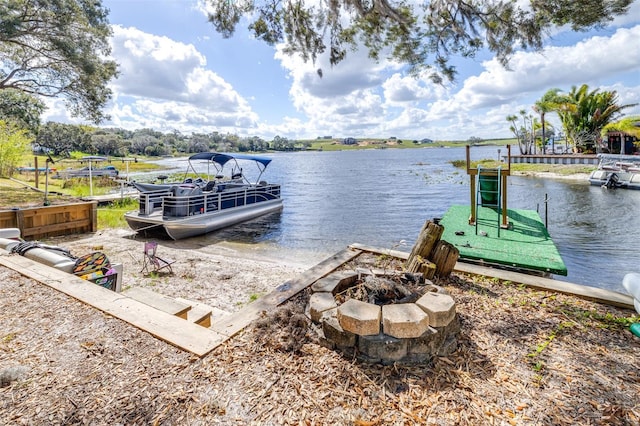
(551, 175)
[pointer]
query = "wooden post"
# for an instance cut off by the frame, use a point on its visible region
(472, 187)
(94, 216)
(35, 162)
(429, 236)
(422, 265)
(20, 221)
(444, 255)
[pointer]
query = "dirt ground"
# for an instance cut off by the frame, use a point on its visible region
(524, 357)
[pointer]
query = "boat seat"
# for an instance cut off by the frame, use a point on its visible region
(184, 190)
(210, 186)
(151, 262)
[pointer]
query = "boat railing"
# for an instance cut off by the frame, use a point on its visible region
(174, 206)
(151, 200)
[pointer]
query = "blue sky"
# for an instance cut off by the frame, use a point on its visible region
(177, 73)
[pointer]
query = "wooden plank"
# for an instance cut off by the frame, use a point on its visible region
(159, 301)
(389, 252)
(236, 322)
(45, 229)
(199, 313)
(608, 297)
(595, 294)
(171, 329)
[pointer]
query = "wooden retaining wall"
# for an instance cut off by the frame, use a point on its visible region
(50, 221)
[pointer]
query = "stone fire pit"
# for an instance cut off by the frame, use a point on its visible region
(408, 330)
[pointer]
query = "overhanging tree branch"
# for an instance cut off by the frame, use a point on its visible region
(58, 48)
(424, 35)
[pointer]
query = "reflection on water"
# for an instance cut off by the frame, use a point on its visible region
(382, 198)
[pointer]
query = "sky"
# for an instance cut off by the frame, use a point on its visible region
(178, 74)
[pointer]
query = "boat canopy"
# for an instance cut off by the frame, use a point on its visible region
(223, 158)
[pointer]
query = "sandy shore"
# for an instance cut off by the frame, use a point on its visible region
(224, 275)
(578, 177)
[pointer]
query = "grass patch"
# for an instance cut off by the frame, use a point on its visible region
(560, 169)
(112, 216)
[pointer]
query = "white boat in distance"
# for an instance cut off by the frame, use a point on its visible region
(617, 171)
(221, 198)
(91, 170)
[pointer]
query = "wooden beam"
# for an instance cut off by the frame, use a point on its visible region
(595, 294)
(389, 252)
(176, 331)
(159, 301)
(171, 329)
(234, 323)
(44, 229)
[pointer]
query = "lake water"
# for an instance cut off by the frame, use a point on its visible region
(383, 197)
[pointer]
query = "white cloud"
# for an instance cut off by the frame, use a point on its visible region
(167, 85)
(362, 98)
(594, 61)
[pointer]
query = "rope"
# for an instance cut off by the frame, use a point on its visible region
(24, 246)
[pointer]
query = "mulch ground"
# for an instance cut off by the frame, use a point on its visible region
(524, 357)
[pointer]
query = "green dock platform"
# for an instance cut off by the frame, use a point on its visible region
(526, 243)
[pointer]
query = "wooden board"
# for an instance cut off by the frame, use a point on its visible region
(595, 294)
(199, 313)
(176, 331)
(159, 301)
(236, 322)
(171, 329)
(608, 297)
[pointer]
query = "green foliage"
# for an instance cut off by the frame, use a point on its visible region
(423, 35)
(627, 125)
(62, 139)
(547, 103)
(112, 216)
(585, 113)
(21, 108)
(523, 130)
(14, 143)
(536, 363)
(600, 320)
(58, 48)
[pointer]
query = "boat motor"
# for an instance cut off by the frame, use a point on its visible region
(613, 181)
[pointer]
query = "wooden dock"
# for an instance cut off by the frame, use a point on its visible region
(525, 244)
(110, 198)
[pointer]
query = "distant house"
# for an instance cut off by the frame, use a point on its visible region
(349, 141)
(620, 143)
(426, 140)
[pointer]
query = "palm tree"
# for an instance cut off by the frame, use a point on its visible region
(584, 114)
(547, 103)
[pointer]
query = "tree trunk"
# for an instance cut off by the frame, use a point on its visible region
(422, 265)
(444, 255)
(429, 236)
